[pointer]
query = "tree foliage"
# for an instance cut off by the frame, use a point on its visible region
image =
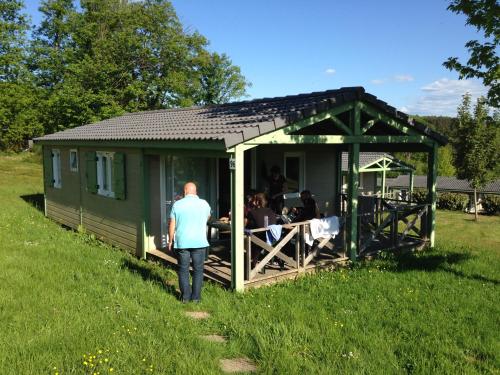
(483, 62)
(106, 57)
(477, 154)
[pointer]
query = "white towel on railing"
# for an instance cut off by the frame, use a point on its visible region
(326, 227)
(273, 233)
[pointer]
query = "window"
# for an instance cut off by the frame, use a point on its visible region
(73, 160)
(56, 169)
(105, 174)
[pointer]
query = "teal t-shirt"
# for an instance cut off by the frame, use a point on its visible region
(190, 214)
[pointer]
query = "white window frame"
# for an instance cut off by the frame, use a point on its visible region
(105, 173)
(302, 167)
(75, 152)
(56, 168)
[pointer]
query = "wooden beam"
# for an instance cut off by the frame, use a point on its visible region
(237, 220)
(341, 125)
(300, 124)
(432, 194)
(280, 137)
(379, 116)
(367, 126)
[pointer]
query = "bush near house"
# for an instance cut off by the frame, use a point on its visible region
(419, 196)
(452, 201)
(445, 201)
(491, 204)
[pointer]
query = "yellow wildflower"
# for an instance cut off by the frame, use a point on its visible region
(111, 369)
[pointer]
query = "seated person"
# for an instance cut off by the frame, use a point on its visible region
(309, 210)
(256, 218)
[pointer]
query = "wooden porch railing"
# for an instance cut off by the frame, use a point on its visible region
(386, 223)
(293, 239)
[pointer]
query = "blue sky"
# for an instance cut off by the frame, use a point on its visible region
(394, 49)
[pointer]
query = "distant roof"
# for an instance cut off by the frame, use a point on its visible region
(367, 158)
(231, 123)
(443, 184)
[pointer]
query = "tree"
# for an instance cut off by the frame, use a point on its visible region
(476, 157)
(113, 56)
(19, 119)
(220, 80)
(445, 161)
(13, 28)
(52, 48)
(483, 62)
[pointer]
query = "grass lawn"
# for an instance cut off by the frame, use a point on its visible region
(65, 297)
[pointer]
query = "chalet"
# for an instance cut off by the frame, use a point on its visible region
(117, 178)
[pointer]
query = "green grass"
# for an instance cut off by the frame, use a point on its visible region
(64, 295)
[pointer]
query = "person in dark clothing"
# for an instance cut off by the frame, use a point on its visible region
(260, 217)
(309, 210)
(276, 188)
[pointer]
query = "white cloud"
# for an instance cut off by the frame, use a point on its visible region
(330, 71)
(403, 78)
(377, 81)
(403, 109)
(442, 97)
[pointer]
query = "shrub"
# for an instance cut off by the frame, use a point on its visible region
(491, 204)
(419, 196)
(452, 201)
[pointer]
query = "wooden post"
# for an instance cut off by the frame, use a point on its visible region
(145, 204)
(383, 178)
(411, 186)
(303, 246)
(237, 219)
(248, 256)
(432, 195)
(297, 248)
(353, 190)
(338, 189)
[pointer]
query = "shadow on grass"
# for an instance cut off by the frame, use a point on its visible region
(149, 273)
(430, 262)
(36, 200)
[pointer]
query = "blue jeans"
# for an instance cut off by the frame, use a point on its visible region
(184, 256)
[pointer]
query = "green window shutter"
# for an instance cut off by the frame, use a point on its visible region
(91, 171)
(48, 174)
(119, 177)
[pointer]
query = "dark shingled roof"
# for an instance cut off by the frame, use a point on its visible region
(231, 123)
(443, 184)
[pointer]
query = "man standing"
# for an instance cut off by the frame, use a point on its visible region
(187, 233)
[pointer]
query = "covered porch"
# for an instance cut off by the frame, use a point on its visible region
(315, 127)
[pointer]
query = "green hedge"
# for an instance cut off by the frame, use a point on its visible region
(419, 196)
(445, 201)
(452, 201)
(491, 204)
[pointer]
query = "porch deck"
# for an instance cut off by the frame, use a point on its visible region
(218, 267)
(387, 226)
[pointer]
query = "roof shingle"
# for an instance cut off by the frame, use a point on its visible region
(231, 123)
